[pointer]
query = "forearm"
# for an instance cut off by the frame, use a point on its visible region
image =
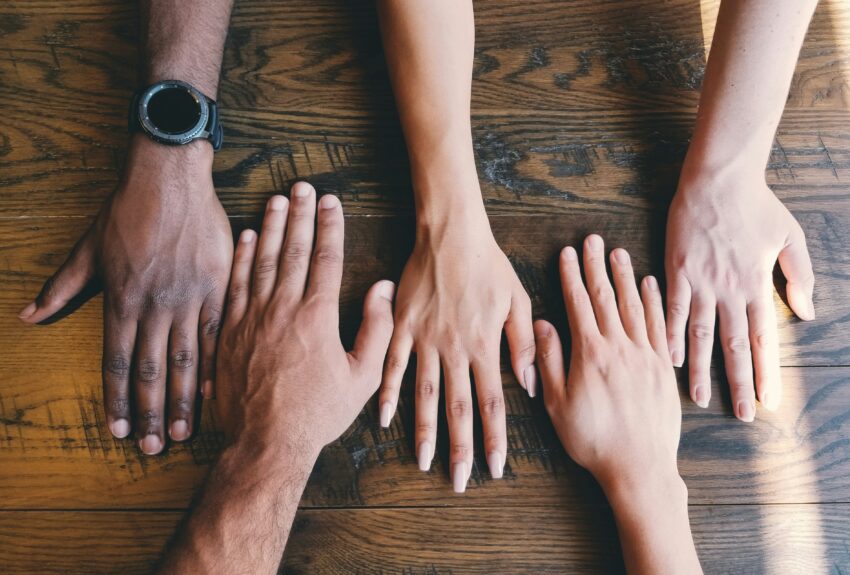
(749, 71)
(243, 520)
(429, 48)
(652, 520)
(184, 40)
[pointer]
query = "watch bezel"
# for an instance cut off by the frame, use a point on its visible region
(197, 131)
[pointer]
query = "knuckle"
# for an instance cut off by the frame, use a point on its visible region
(212, 326)
(738, 344)
(266, 265)
(632, 308)
(547, 352)
(493, 405)
(425, 429)
(117, 365)
(396, 362)
(603, 294)
(763, 338)
(328, 256)
(701, 331)
(677, 309)
(296, 250)
(576, 298)
(460, 408)
(182, 359)
(527, 349)
(238, 291)
(459, 451)
(151, 418)
(149, 371)
(426, 389)
(183, 406)
(118, 405)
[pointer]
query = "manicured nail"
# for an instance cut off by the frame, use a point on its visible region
(301, 189)
(120, 428)
(459, 477)
(28, 311)
(651, 283)
(386, 289)
(425, 453)
(678, 357)
(247, 236)
(179, 430)
(701, 395)
(569, 253)
(277, 203)
(769, 401)
(746, 410)
(386, 414)
(150, 444)
(495, 463)
(622, 256)
(529, 376)
(207, 389)
(810, 310)
(594, 242)
(328, 202)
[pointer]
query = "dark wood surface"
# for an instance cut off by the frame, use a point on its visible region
(581, 113)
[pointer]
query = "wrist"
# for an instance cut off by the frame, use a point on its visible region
(643, 495)
(287, 455)
(176, 166)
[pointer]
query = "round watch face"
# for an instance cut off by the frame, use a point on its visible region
(173, 112)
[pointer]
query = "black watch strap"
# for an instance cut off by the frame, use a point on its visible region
(213, 131)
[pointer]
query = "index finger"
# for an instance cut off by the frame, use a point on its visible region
(579, 310)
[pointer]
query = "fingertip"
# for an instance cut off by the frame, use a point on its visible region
(543, 329)
(569, 254)
(277, 203)
(620, 256)
(385, 289)
(302, 189)
(207, 389)
(594, 242)
(247, 236)
(801, 303)
(329, 202)
(650, 283)
(26, 313)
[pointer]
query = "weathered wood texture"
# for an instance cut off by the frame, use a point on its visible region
(740, 539)
(581, 115)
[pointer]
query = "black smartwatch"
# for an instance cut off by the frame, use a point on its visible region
(175, 113)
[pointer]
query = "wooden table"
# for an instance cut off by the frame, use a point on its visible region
(582, 113)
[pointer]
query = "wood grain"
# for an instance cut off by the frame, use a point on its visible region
(582, 111)
(741, 539)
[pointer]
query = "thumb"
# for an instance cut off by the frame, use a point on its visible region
(68, 281)
(373, 338)
(797, 268)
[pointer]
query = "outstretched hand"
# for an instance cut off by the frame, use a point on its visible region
(161, 247)
(284, 377)
(723, 241)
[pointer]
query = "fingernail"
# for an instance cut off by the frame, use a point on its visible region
(651, 283)
(746, 410)
(810, 308)
(569, 253)
(150, 444)
(179, 430)
(594, 242)
(701, 395)
(207, 389)
(386, 414)
(424, 455)
(530, 378)
(386, 289)
(678, 357)
(459, 477)
(494, 462)
(769, 401)
(328, 202)
(247, 236)
(277, 203)
(622, 256)
(301, 189)
(120, 428)
(28, 311)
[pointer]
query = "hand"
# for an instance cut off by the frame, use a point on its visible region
(618, 412)
(456, 294)
(283, 376)
(161, 247)
(724, 236)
